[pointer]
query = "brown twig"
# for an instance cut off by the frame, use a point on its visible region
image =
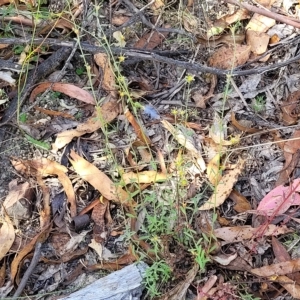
(152, 55)
(265, 12)
(27, 274)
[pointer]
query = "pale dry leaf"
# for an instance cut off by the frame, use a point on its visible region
(7, 236)
(240, 14)
(266, 3)
(213, 171)
(290, 285)
(103, 115)
(282, 268)
(144, 177)
(157, 5)
(230, 56)
(224, 259)
(99, 180)
(97, 247)
(258, 41)
(185, 142)
(287, 4)
(241, 233)
(108, 82)
(260, 23)
(224, 187)
(7, 76)
(203, 291)
(120, 39)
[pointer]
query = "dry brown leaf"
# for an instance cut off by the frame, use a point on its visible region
(7, 235)
(3, 46)
(151, 40)
(240, 233)
(291, 155)
(258, 41)
(2, 2)
(274, 39)
(126, 259)
(137, 127)
(242, 204)
(119, 20)
(157, 5)
(179, 291)
(290, 286)
(17, 203)
(281, 255)
(203, 292)
(3, 273)
(44, 167)
(99, 231)
(190, 22)
(282, 268)
(66, 88)
(279, 250)
(242, 127)
(108, 82)
(54, 113)
(224, 187)
(103, 115)
(199, 99)
(99, 180)
(144, 177)
(214, 173)
(290, 108)
(231, 56)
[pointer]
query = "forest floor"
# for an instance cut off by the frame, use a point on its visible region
(161, 134)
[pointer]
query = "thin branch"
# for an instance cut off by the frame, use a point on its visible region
(265, 12)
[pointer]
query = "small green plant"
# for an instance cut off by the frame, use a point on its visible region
(80, 71)
(247, 296)
(200, 255)
(55, 95)
(39, 144)
(156, 274)
(23, 118)
(18, 49)
(258, 104)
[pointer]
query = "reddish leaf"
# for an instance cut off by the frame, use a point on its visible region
(69, 89)
(280, 199)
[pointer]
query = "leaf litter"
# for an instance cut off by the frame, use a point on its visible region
(188, 171)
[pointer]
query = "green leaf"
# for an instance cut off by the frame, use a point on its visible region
(23, 118)
(40, 144)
